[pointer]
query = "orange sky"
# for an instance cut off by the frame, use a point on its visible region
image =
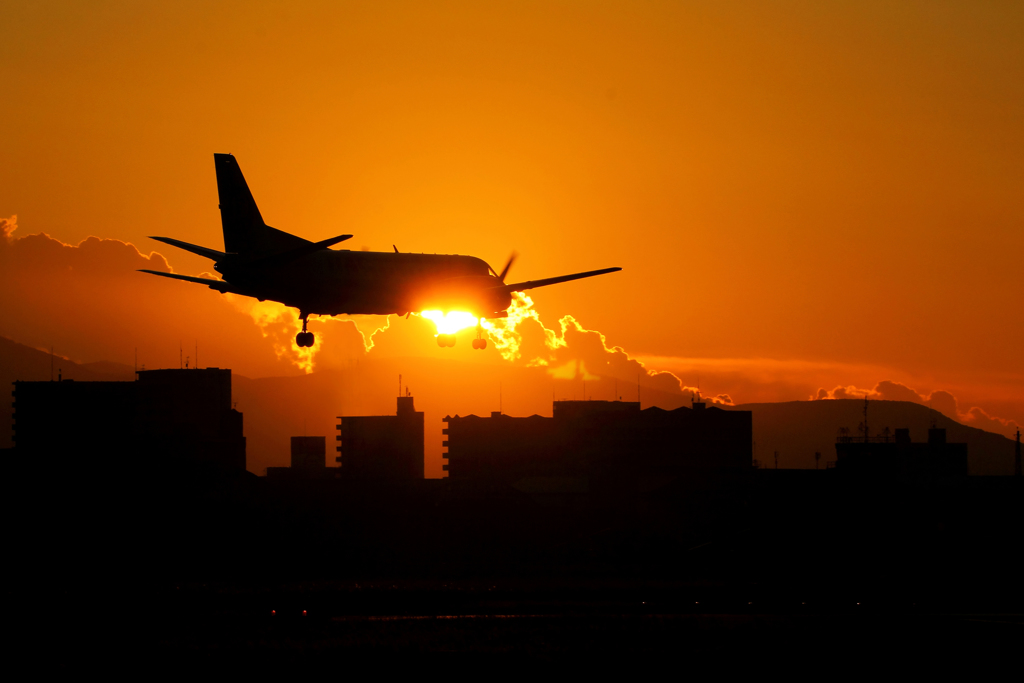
(801, 194)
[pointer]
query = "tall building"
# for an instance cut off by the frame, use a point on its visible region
(166, 418)
(604, 441)
(382, 446)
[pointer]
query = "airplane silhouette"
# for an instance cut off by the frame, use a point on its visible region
(267, 263)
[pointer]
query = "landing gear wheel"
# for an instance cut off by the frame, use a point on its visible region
(304, 339)
(479, 342)
(446, 340)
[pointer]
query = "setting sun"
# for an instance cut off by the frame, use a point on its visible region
(450, 322)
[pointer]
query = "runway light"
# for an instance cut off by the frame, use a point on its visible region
(450, 322)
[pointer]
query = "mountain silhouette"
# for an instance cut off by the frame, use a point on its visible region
(797, 429)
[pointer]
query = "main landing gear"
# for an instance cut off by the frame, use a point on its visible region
(304, 339)
(479, 343)
(449, 340)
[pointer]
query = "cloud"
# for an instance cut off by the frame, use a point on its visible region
(89, 303)
(7, 228)
(572, 352)
(940, 400)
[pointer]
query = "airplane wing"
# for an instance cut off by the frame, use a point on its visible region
(194, 248)
(275, 260)
(532, 284)
(219, 285)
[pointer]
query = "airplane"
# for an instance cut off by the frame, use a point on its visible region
(269, 264)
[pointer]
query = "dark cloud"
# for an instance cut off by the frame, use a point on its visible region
(89, 303)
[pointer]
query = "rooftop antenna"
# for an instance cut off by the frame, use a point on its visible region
(399, 385)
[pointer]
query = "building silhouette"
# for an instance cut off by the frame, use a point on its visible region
(309, 460)
(899, 457)
(600, 444)
(383, 447)
(166, 418)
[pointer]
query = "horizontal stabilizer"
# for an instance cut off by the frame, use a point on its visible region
(219, 285)
(287, 257)
(195, 249)
(532, 284)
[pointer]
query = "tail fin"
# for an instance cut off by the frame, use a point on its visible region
(244, 229)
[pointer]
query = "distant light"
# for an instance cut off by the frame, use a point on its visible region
(303, 612)
(273, 612)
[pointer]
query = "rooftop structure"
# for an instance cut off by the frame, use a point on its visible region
(604, 441)
(899, 457)
(382, 446)
(309, 460)
(165, 417)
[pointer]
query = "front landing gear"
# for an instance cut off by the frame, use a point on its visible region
(445, 340)
(304, 339)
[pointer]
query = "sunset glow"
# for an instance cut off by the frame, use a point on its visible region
(817, 201)
(450, 322)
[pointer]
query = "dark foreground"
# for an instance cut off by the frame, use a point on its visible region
(783, 570)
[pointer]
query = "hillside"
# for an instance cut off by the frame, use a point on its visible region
(799, 428)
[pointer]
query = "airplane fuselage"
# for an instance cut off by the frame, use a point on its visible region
(348, 282)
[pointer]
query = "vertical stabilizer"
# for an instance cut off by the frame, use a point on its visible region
(244, 229)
